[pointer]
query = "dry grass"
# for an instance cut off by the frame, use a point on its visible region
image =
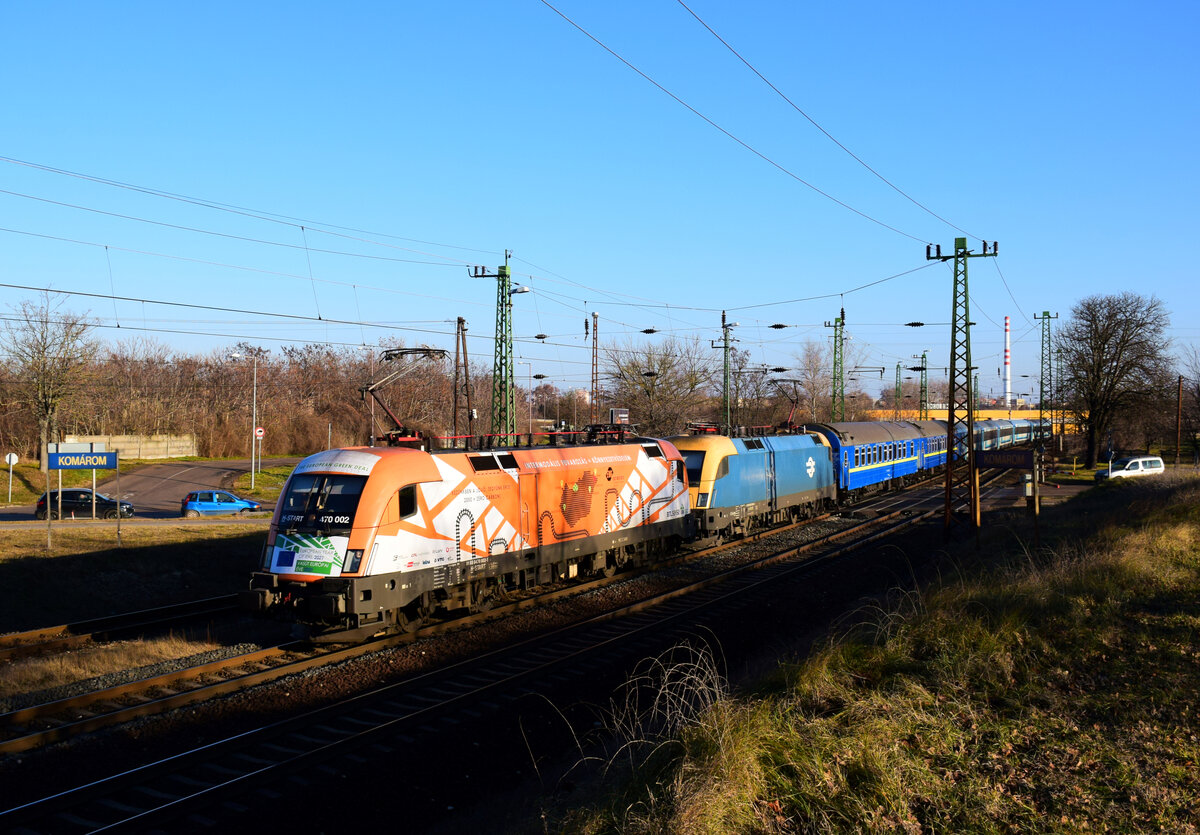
(1048, 691)
(34, 674)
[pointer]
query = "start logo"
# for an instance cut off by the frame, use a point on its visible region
(810, 467)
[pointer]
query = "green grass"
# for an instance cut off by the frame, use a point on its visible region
(1049, 691)
(268, 483)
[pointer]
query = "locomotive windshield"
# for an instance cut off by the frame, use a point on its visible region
(315, 502)
(693, 459)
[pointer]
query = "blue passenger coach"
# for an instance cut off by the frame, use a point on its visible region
(877, 455)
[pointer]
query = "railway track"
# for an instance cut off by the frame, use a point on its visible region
(36, 726)
(39, 725)
(209, 784)
(202, 784)
(52, 639)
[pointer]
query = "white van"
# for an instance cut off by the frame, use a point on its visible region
(1132, 468)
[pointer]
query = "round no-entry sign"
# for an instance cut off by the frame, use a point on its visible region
(258, 432)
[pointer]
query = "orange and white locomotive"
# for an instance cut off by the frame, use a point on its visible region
(373, 539)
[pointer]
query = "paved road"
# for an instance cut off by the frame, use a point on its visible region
(157, 489)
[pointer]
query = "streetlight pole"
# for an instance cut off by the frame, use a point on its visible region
(725, 338)
(370, 379)
(253, 414)
(541, 406)
(529, 394)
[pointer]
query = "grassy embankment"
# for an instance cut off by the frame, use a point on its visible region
(268, 483)
(87, 575)
(1049, 691)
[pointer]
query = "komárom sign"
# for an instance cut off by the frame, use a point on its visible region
(82, 460)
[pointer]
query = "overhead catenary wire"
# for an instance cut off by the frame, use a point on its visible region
(611, 298)
(646, 304)
(814, 123)
(778, 166)
(242, 238)
(258, 214)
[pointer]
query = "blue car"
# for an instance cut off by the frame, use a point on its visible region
(215, 503)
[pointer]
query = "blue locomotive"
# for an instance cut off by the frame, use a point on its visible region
(739, 484)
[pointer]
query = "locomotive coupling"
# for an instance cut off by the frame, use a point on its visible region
(261, 595)
(255, 600)
(327, 607)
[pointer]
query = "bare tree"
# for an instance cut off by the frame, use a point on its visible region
(814, 377)
(1115, 360)
(755, 399)
(51, 350)
(663, 384)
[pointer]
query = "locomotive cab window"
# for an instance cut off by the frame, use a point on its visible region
(317, 502)
(722, 468)
(694, 461)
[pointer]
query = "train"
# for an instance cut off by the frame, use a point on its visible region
(375, 540)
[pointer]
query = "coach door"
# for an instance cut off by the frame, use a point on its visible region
(529, 509)
(773, 485)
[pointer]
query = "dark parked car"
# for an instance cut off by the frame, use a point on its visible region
(215, 503)
(77, 504)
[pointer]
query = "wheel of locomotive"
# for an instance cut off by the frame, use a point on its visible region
(487, 595)
(192, 514)
(412, 617)
(110, 514)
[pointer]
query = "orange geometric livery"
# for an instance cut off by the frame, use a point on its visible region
(373, 539)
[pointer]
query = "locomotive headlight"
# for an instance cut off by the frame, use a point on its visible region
(352, 561)
(701, 500)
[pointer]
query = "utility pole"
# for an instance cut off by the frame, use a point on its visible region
(462, 364)
(923, 408)
(838, 400)
(896, 397)
(962, 479)
(504, 419)
(725, 339)
(1059, 405)
(595, 411)
(1178, 422)
(1046, 383)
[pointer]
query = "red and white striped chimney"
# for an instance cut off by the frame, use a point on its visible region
(1007, 367)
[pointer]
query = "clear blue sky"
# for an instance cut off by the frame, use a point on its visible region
(433, 136)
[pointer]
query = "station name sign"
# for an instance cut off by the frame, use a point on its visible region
(82, 460)
(1005, 459)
